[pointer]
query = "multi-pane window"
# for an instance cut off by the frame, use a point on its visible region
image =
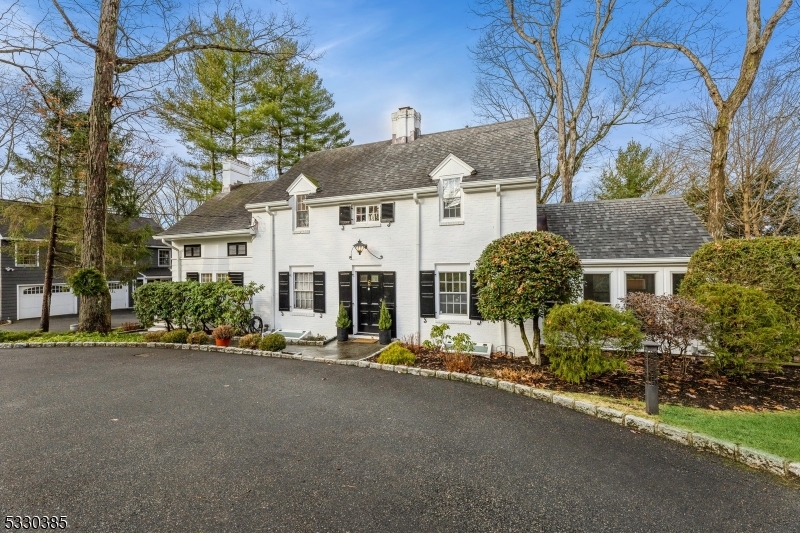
(191, 250)
(303, 290)
(368, 213)
(222, 277)
(39, 289)
(640, 283)
(237, 248)
(206, 278)
(451, 198)
(163, 258)
(301, 210)
(25, 257)
(597, 287)
(114, 285)
(453, 296)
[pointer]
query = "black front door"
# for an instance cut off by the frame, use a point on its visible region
(370, 293)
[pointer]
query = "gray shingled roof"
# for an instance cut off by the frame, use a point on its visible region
(223, 212)
(501, 150)
(495, 151)
(637, 228)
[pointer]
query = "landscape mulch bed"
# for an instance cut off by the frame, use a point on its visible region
(698, 387)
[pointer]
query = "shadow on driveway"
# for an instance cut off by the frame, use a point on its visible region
(62, 322)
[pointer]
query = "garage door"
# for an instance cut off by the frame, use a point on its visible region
(29, 301)
(119, 295)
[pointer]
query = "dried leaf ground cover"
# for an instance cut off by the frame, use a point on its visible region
(698, 387)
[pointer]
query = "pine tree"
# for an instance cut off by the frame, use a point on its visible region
(634, 174)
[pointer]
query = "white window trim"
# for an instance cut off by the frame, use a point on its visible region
(451, 318)
(292, 272)
(450, 221)
(206, 274)
(612, 283)
(668, 278)
(169, 258)
(295, 227)
(16, 255)
(368, 223)
(623, 281)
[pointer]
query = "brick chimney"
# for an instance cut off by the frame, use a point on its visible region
(406, 125)
(234, 172)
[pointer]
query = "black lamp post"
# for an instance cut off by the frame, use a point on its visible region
(651, 377)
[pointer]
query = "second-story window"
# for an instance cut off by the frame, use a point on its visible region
(25, 257)
(191, 250)
(237, 248)
(301, 210)
(451, 198)
(368, 213)
(163, 258)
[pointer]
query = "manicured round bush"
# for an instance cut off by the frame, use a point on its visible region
(198, 337)
(153, 336)
(579, 337)
(176, 336)
(274, 342)
(250, 341)
(397, 354)
(746, 327)
(771, 264)
(223, 332)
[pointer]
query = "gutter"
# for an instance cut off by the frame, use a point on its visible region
(203, 235)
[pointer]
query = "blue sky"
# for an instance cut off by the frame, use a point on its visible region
(379, 56)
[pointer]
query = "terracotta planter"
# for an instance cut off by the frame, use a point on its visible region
(222, 342)
(385, 336)
(341, 334)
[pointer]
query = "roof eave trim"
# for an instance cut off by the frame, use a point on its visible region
(203, 235)
(648, 261)
(396, 195)
(523, 182)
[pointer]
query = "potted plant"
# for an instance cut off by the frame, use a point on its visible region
(223, 335)
(385, 325)
(343, 323)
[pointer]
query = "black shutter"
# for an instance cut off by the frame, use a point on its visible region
(319, 292)
(390, 297)
(192, 276)
(474, 314)
(345, 217)
(236, 278)
(346, 295)
(283, 292)
(387, 212)
(427, 294)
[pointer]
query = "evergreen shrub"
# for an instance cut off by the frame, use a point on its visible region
(198, 337)
(274, 342)
(250, 341)
(176, 336)
(397, 354)
(579, 339)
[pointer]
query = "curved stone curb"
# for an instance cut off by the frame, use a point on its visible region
(748, 456)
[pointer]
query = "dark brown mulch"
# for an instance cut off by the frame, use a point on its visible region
(698, 387)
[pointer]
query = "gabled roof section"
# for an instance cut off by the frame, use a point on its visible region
(452, 166)
(495, 151)
(636, 228)
(303, 185)
(223, 212)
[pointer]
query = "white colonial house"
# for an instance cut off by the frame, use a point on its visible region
(403, 221)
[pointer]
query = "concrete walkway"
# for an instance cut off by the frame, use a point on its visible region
(337, 350)
(62, 322)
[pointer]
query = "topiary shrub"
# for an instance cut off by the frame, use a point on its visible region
(250, 341)
(274, 342)
(198, 337)
(88, 282)
(397, 354)
(521, 274)
(153, 336)
(384, 318)
(224, 332)
(176, 336)
(771, 264)
(343, 319)
(578, 338)
(746, 327)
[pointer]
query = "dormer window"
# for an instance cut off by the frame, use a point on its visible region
(301, 211)
(451, 198)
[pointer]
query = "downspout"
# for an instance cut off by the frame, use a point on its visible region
(418, 255)
(177, 256)
(500, 234)
(272, 269)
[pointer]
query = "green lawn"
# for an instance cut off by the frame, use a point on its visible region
(38, 336)
(771, 432)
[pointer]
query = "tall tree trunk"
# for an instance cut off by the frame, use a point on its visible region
(95, 311)
(44, 322)
(717, 180)
(534, 352)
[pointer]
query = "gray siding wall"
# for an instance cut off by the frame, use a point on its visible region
(10, 280)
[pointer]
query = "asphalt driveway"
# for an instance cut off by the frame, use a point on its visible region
(130, 439)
